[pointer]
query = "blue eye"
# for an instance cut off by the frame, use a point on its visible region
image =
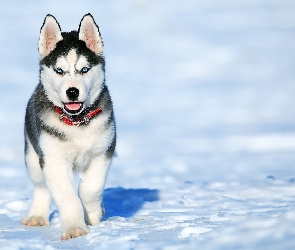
(59, 71)
(84, 70)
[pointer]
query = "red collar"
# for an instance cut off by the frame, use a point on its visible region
(76, 121)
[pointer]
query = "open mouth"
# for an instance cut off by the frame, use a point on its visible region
(73, 107)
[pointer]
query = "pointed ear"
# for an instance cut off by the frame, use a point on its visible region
(89, 33)
(50, 35)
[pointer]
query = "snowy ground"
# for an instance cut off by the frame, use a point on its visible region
(204, 102)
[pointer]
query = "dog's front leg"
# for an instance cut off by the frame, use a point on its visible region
(39, 211)
(91, 189)
(60, 181)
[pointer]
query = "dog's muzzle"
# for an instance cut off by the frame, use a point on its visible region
(73, 107)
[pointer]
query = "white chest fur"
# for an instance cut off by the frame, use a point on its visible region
(81, 144)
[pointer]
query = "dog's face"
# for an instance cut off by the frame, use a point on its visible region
(72, 64)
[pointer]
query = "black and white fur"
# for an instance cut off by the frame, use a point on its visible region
(55, 150)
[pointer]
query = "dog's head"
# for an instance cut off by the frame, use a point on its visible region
(71, 64)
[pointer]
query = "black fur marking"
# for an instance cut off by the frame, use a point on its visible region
(110, 151)
(109, 121)
(26, 144)
(41, 161)
(52, 131)
(37, 105)
(71, 41)
(31, 127)
(104, 102)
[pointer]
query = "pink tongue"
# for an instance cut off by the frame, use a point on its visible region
(73, 106)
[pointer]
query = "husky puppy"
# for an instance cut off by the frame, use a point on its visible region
(69, 127)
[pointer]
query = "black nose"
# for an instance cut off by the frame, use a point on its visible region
(73, 94)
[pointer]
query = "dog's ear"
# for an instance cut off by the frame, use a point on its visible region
(50, 35)
(89, 33)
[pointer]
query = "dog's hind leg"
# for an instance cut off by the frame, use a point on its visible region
(39, 210)
(91, 189)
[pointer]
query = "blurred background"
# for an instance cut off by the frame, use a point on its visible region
(202, 90)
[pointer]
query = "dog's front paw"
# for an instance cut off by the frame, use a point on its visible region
(74, 232)
(35, 221)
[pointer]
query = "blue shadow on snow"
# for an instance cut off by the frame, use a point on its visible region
(126, 202)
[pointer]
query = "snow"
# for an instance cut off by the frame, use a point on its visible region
(204, 102)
